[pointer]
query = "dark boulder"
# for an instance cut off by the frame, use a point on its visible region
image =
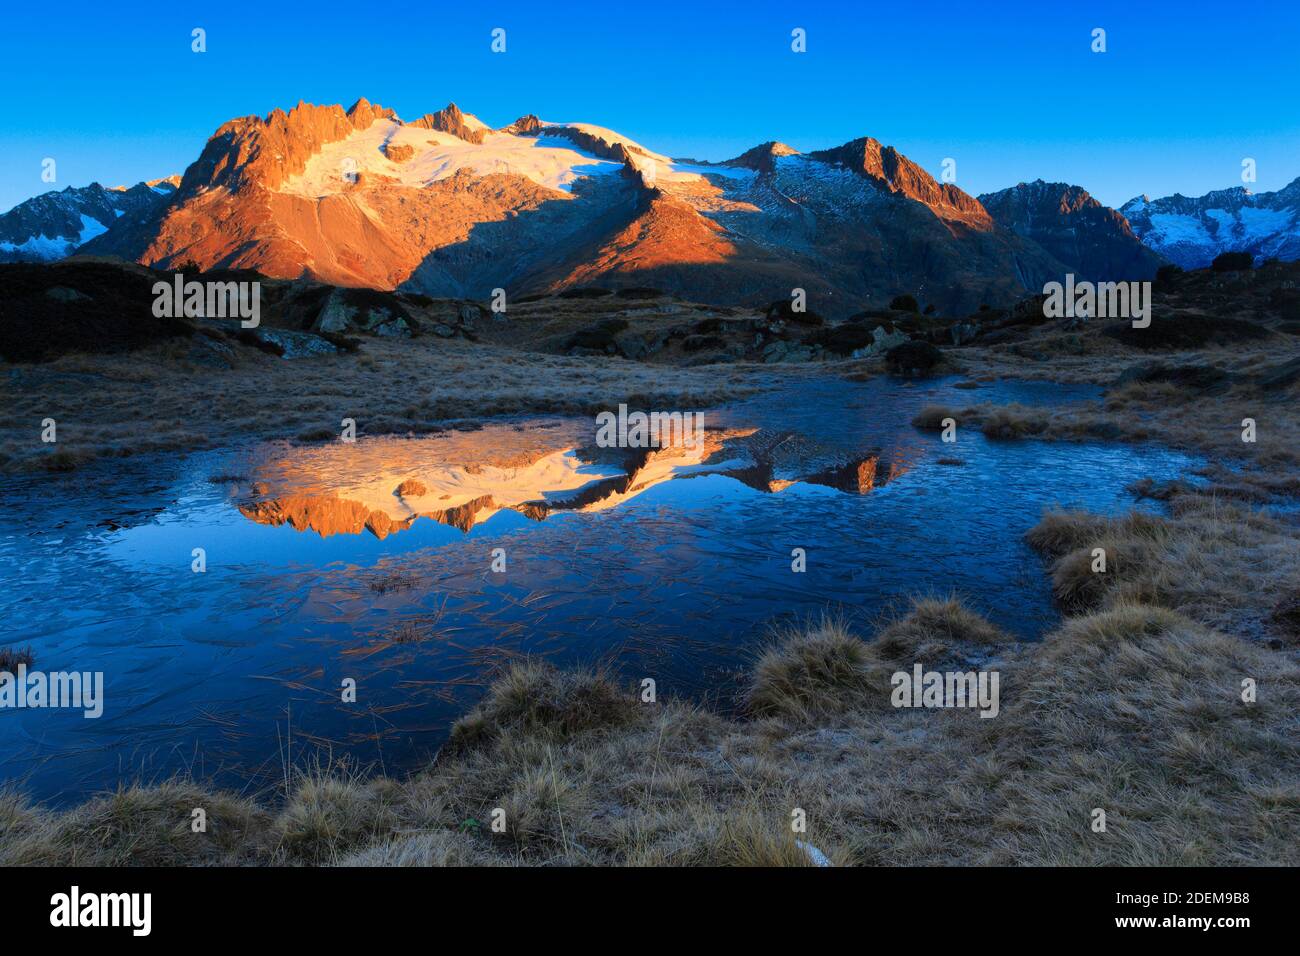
(913, 358)
(842, 339)
(783, 309)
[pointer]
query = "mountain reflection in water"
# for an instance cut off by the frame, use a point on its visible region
(670, 563)
(384, 485)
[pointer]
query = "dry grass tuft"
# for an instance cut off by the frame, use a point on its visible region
(813, 672)
(937, 631)
(931, 417)
(1013, 421)
(136, 826)
(333, 812)
(1138, 710)
(754, 836)
(1209, 560)
(1078, 581)
(535, 698)
(11, 657)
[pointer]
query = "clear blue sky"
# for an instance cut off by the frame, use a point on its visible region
(1011, 91)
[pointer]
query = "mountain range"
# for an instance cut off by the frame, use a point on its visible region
(1191, 232)
(56, 224)
(447, 206)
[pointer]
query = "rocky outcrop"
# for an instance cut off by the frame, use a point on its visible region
(352, 311)
(398, 152)
(451, 120)
(890, 170)
(526, 125)
(762, 158)
(590, 142)
(325, 514)
(252, 151)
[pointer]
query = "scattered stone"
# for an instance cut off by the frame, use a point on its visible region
(363, 310)
(469, 314)
(783, 311)
(294, 345)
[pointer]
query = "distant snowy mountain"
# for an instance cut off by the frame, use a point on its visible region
(1094, 240)
(55, 224)
(1192, 231)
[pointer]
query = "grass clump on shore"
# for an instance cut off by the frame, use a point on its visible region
(536, 698)
(11, 657)
(931, 417)
(1013, 421)
(938, 631)
(136, 826)
(814, 671)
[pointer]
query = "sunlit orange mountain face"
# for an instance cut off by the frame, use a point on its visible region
(446, 206)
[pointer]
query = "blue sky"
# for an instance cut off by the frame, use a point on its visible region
(1184, 92)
